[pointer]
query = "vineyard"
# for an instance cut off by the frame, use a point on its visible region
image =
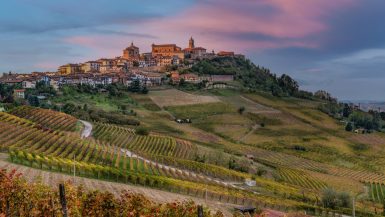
(155, 145)
(46, 118)
(46, 149)
(300, 178)
(49, 141)
(280, 159)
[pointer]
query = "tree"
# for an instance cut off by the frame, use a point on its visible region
(288, 84)
(349, 127)
(144, 90)
(33, 101)
(241, 110)
(332, 199)
(142, 131)
(135, 86)
(69, 108)
(347, 110)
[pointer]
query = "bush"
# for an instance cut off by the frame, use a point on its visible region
(349, 127)
(241, 110)
(333, 199)
(142, 131)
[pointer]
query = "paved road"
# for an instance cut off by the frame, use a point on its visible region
(87, 129)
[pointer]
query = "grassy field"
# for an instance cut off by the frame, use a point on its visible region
(173, 97)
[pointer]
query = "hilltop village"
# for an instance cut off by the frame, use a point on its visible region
(150, 69)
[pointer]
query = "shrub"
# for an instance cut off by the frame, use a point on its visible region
(349, 127)
(142, 131)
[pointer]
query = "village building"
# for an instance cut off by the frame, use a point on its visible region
(69, 69)
(165, 50)
(29, 84)
(225, 53)
(190, 78)
(91, 66)
(19, 93)
(107, 65)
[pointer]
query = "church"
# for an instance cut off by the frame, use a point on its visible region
(131, 52)
(193, 52)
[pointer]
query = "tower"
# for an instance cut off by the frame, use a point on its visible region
(191, 43)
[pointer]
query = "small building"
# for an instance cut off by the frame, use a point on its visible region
(250, 182)
(19, 93)
(28, 84)
(190, 78)
(69, 69)
(175, 78)
(90, 66)
(225, 53)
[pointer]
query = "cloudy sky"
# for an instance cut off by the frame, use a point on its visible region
(338, 45)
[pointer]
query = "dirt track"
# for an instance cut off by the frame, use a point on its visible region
(53, 179)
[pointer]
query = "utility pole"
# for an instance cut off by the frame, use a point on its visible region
(354, 207)
(74, 169)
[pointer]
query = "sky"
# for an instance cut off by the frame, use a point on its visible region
(338, 46)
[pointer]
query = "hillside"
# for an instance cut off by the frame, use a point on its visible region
(261, 142)
(287, 145)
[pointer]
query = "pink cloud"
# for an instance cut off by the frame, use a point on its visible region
(241, 25)
(289, 23)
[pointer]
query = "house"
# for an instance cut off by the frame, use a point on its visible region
(190, 78)
(107, 65)
(19, 93)
(175, 78)
(90, 66)
(69, 69)
(28, 84)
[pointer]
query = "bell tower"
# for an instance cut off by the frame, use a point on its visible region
(191, 43)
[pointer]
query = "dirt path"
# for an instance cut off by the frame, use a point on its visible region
(53, 179)
(261, 109)
(87, 129)
(253, 129)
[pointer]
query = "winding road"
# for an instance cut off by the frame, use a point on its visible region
(87, 129)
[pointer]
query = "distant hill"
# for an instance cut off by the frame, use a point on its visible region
(251, 76)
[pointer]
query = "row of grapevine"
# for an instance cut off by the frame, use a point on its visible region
(152, 144)
(47, 118)
(300, 178)
(202, 168)
(376, 192)
(285, 160)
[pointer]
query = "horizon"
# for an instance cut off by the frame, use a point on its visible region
(335, 46)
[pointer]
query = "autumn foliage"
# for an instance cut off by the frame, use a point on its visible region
(21, 198)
